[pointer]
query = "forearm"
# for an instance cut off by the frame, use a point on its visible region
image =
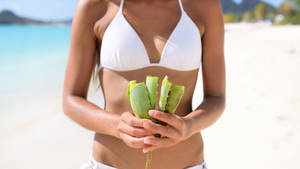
(91, 116)
(207, 113)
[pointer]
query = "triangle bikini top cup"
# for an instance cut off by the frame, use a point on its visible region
(122, 49)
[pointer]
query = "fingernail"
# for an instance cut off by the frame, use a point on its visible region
(152, 112)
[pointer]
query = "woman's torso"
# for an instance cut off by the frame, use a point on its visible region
(112, 151)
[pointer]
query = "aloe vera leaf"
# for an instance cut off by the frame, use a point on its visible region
(131, 84)
(164, 92)
(149, 158)
(174, 98)
(151, 83)
(139, 97)
(139, 100)
(140, 103)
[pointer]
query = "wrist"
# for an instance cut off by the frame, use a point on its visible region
(116, 128)
(117, 134)
(188, 127)
(110, 124)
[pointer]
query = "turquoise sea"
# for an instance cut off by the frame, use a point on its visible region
(32, 65)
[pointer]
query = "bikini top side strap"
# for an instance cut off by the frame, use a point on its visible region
(180, 4)
(121, 5)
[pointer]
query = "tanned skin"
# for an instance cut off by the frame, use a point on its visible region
(121, 139)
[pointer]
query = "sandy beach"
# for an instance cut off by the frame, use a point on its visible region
(258, 130)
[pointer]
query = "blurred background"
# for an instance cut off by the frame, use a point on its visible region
(259, 128)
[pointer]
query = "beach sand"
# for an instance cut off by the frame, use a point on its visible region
(259, 128)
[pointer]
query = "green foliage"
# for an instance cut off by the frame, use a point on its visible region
(229, 17)
(247, 16)
(297, 2)
(291, 11)
(285, 8)
(238, 17)
(260, 11)
(272, 15)
(294, 18)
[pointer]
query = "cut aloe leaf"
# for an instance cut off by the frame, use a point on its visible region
(143, 98)
(174, 98)
(131, 84)
(139, 100)
(164, 93)
(151, 83)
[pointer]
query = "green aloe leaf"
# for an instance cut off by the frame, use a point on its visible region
(151, 83)
(164, 93)
(174, 98)
(139, 100)
(131, 84)
(143, 98)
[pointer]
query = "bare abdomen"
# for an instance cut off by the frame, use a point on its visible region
(113, 151)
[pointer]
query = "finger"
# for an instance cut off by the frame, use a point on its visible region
(170, 119)
(130, 119)
(168, 131)
(162, 141)
(133, 131)
(132, 141)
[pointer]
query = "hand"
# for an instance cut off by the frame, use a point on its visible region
(174, 132)
(131, 130)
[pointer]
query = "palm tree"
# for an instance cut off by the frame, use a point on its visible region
(229, 17)
(260, 11)
(285, 8)
(247, 16)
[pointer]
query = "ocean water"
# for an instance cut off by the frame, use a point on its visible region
(30, 51)
(32, 66)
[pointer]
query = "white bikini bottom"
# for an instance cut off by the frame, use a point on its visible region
(93, 164)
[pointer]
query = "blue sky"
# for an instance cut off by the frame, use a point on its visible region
(41, 9)
(55, 9)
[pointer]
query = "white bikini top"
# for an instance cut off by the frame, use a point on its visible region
(122, 49)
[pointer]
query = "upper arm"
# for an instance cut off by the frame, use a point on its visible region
(213, 62)
(82, 48)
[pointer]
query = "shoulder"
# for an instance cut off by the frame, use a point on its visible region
(207, 9)
(208, 12)
(91, 8)
(87, 13)
(207, 4)
(214, 6)
(92, 13)
(204, 12)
